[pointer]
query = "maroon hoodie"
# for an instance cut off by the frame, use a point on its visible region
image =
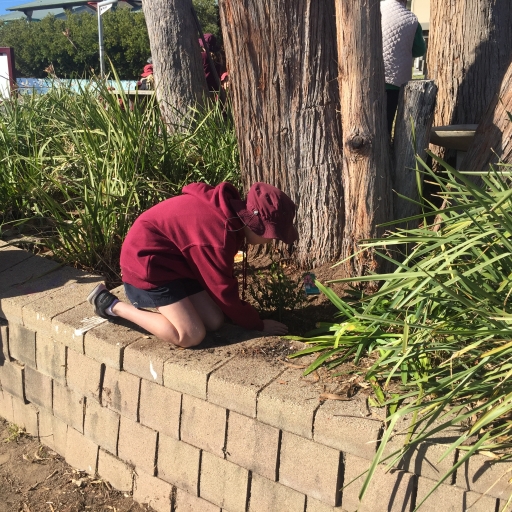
(195, 235)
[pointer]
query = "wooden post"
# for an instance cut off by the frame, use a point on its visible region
(366, 160)
(469, 50)
(412, 133)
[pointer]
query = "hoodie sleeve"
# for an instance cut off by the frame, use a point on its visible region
(215, 268)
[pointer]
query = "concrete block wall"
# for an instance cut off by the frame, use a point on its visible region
(199, 430)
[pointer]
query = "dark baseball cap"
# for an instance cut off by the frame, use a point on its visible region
(268, 212)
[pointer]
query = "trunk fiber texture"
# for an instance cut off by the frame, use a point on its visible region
(366, 159)
(493, 137)
(281, 56)
(412, 135)
(178, 68)
(470, 47)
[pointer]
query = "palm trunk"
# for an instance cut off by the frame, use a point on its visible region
(470, 46)
(493, 138)
(178, 69)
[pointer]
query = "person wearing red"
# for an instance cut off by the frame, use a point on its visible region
(146, 77)
(178, 257)
(216, 57)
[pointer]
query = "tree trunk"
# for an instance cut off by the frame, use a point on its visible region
(366, 160)
(470, 46)
(178, 68)
(281, 58)
(412, 134)
(493, 138)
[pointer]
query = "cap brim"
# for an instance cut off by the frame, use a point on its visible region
(290, 236)
(287, 237)
(253, 222)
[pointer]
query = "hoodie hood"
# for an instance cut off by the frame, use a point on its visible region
(218, 198)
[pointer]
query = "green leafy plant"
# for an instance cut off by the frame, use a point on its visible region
(70, 44)
(275, 292)
(14, 433)
(78, 167)
(439, 328)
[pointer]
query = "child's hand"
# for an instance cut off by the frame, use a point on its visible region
(274, 328)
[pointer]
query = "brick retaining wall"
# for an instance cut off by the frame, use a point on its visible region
(198, 430)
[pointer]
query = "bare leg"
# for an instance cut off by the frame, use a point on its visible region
(211, 315)
(178, 323)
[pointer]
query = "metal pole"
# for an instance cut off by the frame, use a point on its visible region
(99, 6)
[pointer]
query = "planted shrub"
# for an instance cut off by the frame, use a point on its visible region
(275, 292)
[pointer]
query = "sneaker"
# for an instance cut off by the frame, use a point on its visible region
(97, 289)
(101, 299)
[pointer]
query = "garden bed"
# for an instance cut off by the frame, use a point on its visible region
(232, 424)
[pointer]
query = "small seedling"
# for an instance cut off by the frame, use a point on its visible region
(275, 292)
(15, 433)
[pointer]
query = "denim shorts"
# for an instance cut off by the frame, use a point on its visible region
(170, 293)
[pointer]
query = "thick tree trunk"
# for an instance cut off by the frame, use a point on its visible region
(493, 138)
(412, 134)
(281, 58)
(470, 46)
(366, 160)
(178, 68)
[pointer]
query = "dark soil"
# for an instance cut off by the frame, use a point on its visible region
(35, 479)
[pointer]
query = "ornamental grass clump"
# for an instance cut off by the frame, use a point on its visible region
(440, 327)
(80, 166)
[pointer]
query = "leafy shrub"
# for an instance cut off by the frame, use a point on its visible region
(275, 292)
(72, 45)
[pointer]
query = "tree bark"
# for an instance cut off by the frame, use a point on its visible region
(412, 134)
(366, 160)
(281, 59)
(179, 77)
(493, 137)
(470, 46)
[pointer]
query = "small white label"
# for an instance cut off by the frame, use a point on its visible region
(152, 371)
(105, 8)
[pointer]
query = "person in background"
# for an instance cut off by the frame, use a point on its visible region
(224, 81)
(146, 81)
(402, 40)
(178, 257)
(216, 56)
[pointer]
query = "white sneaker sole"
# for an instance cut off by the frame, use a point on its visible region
(97, 289)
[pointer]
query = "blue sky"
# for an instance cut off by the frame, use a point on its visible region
(9, 3)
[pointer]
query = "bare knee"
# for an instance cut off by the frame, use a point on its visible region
(210, 313)
(191, 337)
